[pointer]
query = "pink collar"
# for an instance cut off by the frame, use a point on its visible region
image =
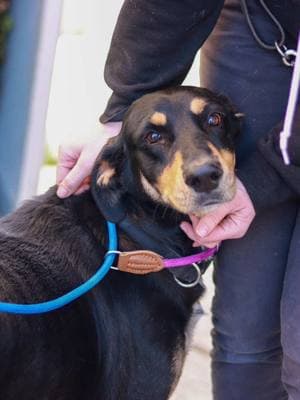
(143, 262)
(194, 258)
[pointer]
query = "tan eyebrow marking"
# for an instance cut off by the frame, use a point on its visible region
(197, 105)
(159, 118)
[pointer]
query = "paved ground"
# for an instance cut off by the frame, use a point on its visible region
(195, 382)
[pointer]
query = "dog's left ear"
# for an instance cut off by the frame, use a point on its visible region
(238, 120)
(109, 162)
(239, 116)
(107, 178)
(236, 117)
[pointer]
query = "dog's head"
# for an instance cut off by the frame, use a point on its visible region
(177, 147)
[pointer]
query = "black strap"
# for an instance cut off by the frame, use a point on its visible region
(138, 235)
(259, 40)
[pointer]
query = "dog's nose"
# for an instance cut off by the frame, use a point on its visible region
(205, 178)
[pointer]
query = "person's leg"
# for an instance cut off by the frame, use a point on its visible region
(247, 351)
(290, 319)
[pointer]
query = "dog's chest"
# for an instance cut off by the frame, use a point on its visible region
(151, 323)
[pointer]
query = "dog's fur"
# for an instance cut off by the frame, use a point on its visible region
(125, 340)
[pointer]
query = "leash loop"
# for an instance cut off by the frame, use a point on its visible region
(59, 302)
(288, 55)
(192, 284)
(255, 34)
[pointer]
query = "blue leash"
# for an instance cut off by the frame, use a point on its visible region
(40, 308)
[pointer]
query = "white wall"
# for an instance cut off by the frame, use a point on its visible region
(78, 91)
(33, 152)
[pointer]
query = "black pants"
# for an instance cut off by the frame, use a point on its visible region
(256, 309)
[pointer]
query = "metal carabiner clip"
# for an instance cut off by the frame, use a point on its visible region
(288, 55)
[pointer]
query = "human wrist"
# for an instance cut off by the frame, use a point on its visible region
(264, 185)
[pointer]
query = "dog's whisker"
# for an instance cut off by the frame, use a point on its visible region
(157, 206)
(166, 208)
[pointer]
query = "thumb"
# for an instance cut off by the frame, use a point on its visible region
(210, 221)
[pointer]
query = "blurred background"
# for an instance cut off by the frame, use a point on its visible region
(52, 56)
(51, 85)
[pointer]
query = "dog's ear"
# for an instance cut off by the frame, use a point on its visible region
(109, 162)
(236, 117)
(238, 121)
(239, 116)
(107, 178)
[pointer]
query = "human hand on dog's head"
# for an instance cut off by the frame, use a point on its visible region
(230, 220)
(76, 161)
(176, 149)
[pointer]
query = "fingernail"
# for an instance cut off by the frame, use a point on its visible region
(62, 192)
(202, 231)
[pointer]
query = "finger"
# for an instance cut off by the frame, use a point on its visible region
(210, 221)
(229, 228)
(67, 157)
(213, 244)
(188, 230)
(73, 180)
(85, 157)
(209, 245)
(86, 182)
(62, 171)
(195, 221)
(82, 188)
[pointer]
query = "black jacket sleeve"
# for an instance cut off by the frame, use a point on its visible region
(153, 47)
(267, 179)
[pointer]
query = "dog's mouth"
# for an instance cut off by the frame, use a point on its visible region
(199, 204)
(212, 202)
(185, 200)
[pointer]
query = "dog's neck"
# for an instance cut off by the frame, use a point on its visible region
(145, 226)
(151, 225)
(155, 227)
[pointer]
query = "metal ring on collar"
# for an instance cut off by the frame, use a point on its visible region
(192, 284)
(113, 252)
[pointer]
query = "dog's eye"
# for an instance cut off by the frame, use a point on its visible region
(215, 119)
(153, 137)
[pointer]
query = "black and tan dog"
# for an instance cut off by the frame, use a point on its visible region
(126, 339)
